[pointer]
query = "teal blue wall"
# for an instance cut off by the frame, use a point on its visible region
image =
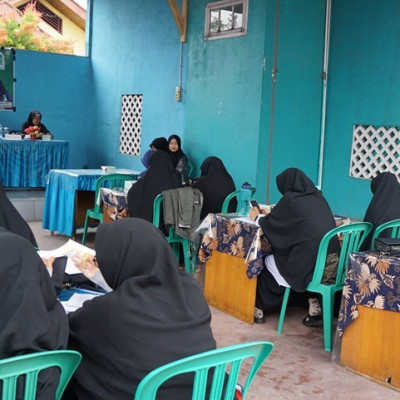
(135, 50)
(296, 128)
(59, 87)
(364, 88)
(223, 94)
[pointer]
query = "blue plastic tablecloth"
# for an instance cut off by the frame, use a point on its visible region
(26, 163)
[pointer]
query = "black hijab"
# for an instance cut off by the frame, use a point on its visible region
(215, 183)
(31, 318)
(175, 155)
(160, 176)
(12, 220)
(160, 143)
(295, 227)
(29, 122)
(156, 314)
(384, 205)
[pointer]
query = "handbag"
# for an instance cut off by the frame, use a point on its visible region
(390, 246)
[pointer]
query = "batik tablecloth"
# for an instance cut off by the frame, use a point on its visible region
(373, 281)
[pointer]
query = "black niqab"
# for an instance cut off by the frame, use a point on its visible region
(11, 219)
(384, 205)
(31, 318)
(160, 176)
(295, 227)
(155, 314)
(29, 122)
(160, 143)
(215, 183)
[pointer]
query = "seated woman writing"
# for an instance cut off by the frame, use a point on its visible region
(34, 124)
(384, 205)
(215, 183)
(155, 314)
(294, 228)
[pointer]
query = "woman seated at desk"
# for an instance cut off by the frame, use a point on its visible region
(160, 176)
(154, 315)
(178, 157)
(384, 205)
(215, 183)
(31, 318)
(34, 119)
(294, 228)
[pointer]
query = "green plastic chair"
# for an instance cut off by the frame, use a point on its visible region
(218, 360)
(353, 235)
(112, 181)
(190, 169)
(30, 365)
(172, 237)
(230, 196)
(394, 225)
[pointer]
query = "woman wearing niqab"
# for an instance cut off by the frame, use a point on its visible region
(384, 205)
(160, 176)
(11, 219)
(154, 315)
(215, 183)
(294, 228)
(31, 318)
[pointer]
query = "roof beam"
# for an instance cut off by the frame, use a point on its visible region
(180, 17)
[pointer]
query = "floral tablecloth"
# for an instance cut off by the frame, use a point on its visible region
(115, 203)
(227, 234)
(372, 281)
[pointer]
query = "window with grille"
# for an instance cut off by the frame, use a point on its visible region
(47, 15)
(375, 150)
(131, 124)
(226, 19)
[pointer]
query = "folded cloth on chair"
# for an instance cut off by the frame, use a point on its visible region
(181, 209)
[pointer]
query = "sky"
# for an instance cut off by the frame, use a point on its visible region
(82, 3)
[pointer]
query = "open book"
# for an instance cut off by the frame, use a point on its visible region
(69, 249)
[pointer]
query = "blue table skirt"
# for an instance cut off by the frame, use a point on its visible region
(26, 163)
(59, 202)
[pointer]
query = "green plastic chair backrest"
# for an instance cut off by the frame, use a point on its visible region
(395, 233)
(190, 169)
(156, 209)
(236, 193)
(351, 236)
(30, 365)
(112, 181)
(217, 360)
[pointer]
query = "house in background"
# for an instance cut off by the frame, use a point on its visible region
(61, 19)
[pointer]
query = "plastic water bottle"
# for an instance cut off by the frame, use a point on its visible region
(244, 198)
(1, 131)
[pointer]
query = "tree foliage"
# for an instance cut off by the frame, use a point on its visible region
(22, 32)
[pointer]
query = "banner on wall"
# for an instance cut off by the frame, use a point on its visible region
(7, 81)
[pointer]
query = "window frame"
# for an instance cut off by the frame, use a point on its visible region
(217, 5)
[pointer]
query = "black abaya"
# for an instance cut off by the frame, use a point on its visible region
(155, 314)
(384, 205)
(215, 183)
(160, 176)
(31, 318)
(295, 227)
(12, 220)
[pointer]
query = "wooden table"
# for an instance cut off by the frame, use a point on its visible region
(369, 318)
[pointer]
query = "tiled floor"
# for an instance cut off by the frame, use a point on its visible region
(298, 368)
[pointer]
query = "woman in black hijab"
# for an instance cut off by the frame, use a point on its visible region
(12, 220)
(294, 228)
(34, 119)
(215, 183)
(154, 315)
(31, 318)
(384, 205)
(178, 157)
(160, 176)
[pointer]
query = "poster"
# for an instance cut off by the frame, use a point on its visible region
(7, 79)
